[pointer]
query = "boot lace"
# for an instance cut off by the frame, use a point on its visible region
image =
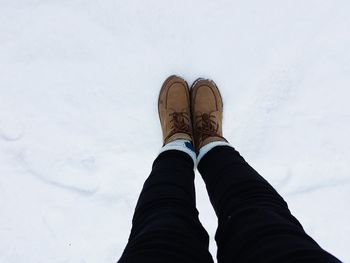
(206, 127)
(180, 123)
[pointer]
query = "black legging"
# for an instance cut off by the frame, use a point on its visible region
(255, 224)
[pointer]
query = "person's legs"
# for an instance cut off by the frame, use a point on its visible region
(255, 224)
(166, 227)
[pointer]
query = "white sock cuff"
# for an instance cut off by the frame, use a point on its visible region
(185, 146)
(206, 148)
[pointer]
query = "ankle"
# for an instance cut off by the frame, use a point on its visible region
(210, 140)
(178, 136)
(182, 145)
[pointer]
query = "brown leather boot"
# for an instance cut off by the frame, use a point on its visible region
(207, 111)
(174, 110)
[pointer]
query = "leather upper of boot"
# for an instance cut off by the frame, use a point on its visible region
(207, 112)
(174, 110)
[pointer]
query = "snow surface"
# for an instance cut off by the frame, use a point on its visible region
(79, 128)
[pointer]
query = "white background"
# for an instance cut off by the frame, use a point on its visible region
(79, 128)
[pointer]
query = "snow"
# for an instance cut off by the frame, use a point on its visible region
(79, 128)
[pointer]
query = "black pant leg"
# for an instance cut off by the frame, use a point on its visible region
(166, 227)
(255, 224)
